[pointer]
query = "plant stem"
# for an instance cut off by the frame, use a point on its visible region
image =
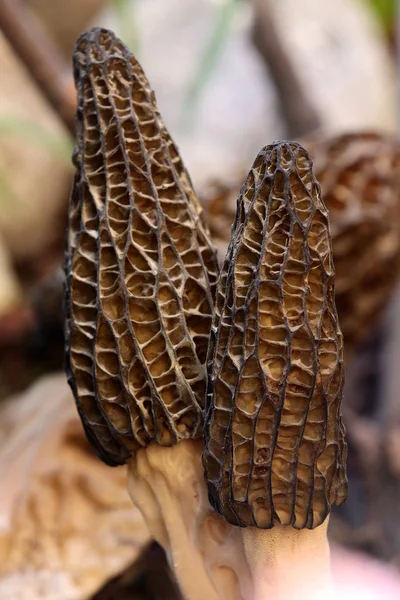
(206, 553)
(41, 58)
(298, 110)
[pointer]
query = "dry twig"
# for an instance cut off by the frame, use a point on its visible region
(300, 114)
(41, 58)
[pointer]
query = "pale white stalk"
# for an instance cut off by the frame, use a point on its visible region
(205, 552)
(289, 564)
(212, 559)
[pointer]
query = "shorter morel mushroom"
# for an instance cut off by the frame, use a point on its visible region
(359, 175)
(274, 443)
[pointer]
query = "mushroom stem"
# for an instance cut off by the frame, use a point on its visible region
(206, 553)
(288, 563)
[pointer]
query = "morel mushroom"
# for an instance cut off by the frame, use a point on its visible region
(359, 175)
(275, 452)
(141, 276)
(140, 265)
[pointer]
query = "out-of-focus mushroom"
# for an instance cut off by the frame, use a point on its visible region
(275, 452)
(67, 524)
(141, 276)
(360, 181)
(359, 175)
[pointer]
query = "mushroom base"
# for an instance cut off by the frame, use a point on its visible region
(205, 552)
(288, 563)
(212, 559)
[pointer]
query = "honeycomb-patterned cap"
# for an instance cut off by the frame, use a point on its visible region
(141, 269)
(274, 439)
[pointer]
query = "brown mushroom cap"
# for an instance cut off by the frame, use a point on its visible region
(140, 265)
(274, 439)
(359, 174)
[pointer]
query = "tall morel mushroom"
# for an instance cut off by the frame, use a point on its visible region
(141, 278)
(140, 265)
(274, 441)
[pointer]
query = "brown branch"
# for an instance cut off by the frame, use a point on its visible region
(41, 58)
(299, 112)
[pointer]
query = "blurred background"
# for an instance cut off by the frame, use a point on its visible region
(230, 76)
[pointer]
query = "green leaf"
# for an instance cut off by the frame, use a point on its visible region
(209, 59)
(386, 11)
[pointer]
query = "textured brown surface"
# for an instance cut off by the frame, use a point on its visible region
(141, 268)
(359, 176)
(275, 449)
